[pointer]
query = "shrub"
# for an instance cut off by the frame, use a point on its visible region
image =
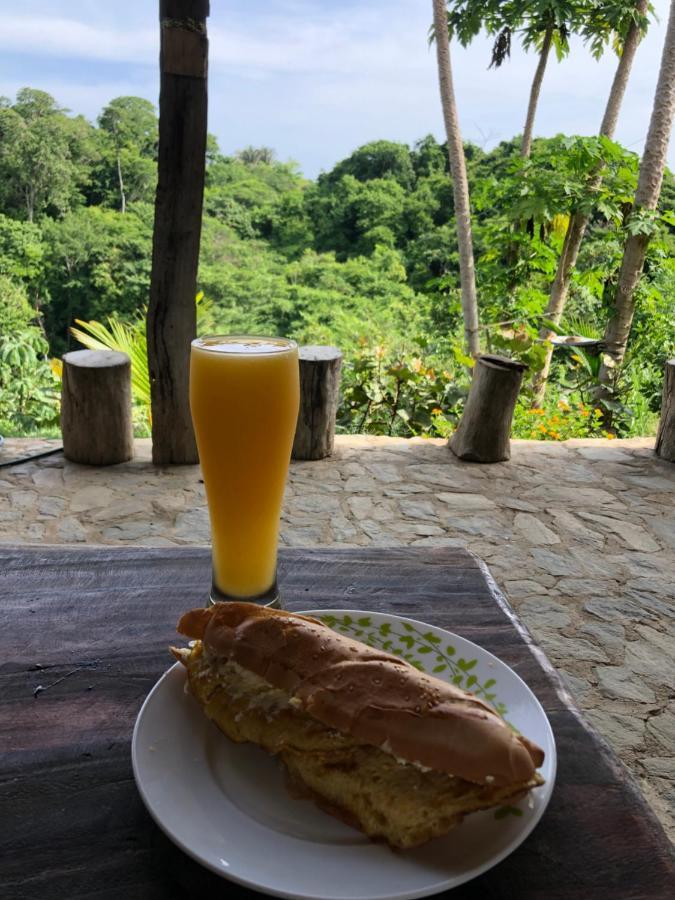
(559, 421)
(28, 389)
(396, 392)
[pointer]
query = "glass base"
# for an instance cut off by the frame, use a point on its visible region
(270, 597)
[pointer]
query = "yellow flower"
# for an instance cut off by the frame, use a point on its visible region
(564, 406)
(610, 436)
(585, 413)
(436, 411)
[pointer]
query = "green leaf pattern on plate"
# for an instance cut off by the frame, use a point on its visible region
(422, 649)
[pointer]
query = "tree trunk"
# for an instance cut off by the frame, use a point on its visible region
(647, 194)
(484, 432)
(29, 194)
(171, 322)
(526, 145)
(96, 407)
(665, 438)
(622, 74)
(121, 183)
(460, 183)
(576, 227)
(319, 394)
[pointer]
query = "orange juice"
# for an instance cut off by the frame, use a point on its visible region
(244, 397)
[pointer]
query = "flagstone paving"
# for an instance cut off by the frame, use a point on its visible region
(580, 535)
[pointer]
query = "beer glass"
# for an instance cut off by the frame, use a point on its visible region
(244, 398)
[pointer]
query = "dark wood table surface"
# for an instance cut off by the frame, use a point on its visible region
(92, 626)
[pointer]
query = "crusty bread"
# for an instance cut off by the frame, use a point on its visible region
(371, 696)
(363, 785)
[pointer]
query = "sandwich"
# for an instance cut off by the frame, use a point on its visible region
(395, 752)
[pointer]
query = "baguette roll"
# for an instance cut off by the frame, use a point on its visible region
(372, 697)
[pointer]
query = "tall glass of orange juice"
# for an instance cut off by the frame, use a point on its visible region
(244, 398)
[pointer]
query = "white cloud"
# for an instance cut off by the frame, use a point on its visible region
(70, 39)
(315, 79)
(254, 45)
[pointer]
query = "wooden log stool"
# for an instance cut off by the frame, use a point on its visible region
(96, 420)
(319, 393)
(484, 432)
(665, 437)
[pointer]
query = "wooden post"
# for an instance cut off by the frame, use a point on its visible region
(178, 215)
(484, 432)
(96, 407)
(319, 392)
(665, 437)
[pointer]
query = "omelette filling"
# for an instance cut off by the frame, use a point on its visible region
(388, 798)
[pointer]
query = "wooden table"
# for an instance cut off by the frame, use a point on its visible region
(92, 626)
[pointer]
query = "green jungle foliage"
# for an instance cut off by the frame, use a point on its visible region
(365, 257)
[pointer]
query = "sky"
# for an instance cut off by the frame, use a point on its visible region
(314, 79)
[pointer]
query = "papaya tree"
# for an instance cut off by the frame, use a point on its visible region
(624, 23)
(641, 222)
(541, 25)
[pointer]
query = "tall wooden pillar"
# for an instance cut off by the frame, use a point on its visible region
(178, 217)
(665, 436)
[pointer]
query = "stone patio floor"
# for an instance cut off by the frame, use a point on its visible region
(580, 535)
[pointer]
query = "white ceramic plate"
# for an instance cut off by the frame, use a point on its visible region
(227, 806)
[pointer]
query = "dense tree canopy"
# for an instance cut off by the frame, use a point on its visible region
(128, 147)
(45, 156)
(364, 257)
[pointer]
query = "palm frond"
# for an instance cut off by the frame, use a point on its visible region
(125, 338)
(129, 338)
(581, 327)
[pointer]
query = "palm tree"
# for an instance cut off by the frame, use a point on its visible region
(460, 183)
(647, 194)
(633, 25)
(253, 155)
(541, 24)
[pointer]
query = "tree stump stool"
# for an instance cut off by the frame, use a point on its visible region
(665, 437)
(484, 432)
(319, 393)
(96, 420)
